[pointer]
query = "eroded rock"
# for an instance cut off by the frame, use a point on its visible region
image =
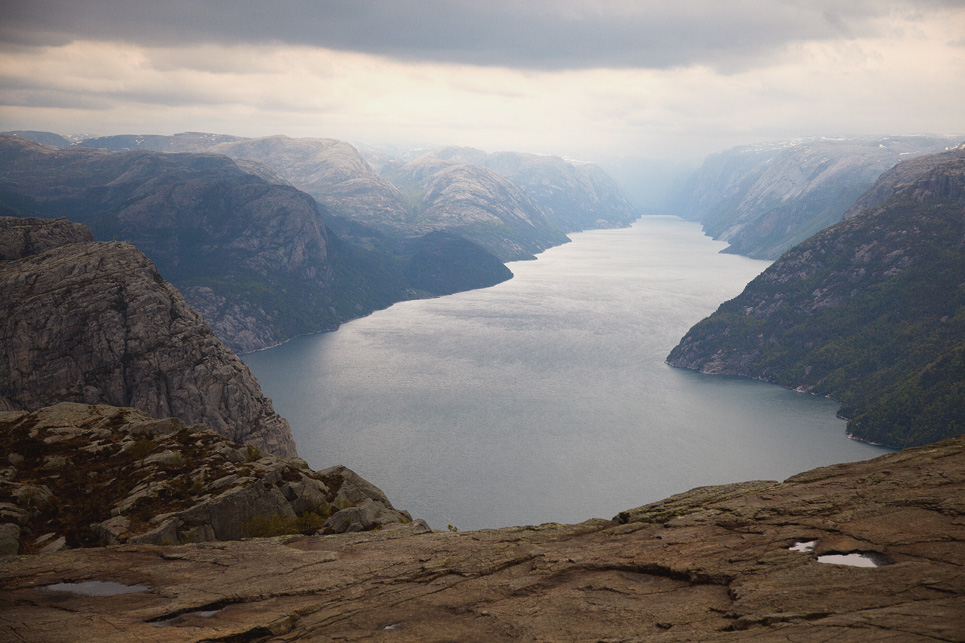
(713, 564)
(137, 479)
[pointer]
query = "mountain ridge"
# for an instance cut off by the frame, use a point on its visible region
(870, 312)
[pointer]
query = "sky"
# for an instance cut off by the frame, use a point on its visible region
(579, 78)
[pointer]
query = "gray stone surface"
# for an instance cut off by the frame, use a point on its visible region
(711, 565)
(95, 323)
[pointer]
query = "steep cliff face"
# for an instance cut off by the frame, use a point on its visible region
(94, 322)
(935, 176)
(870, 312)
(253, 256)
(765, 199)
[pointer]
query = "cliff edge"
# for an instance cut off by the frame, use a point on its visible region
(760, 561)
(94, 322)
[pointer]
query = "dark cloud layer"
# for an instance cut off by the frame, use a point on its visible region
(535, 34)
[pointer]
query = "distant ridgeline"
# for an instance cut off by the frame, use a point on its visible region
(275, 237)
(765, 199)
(248, 251)
(870, 312)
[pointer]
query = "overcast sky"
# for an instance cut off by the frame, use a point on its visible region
(583, 78)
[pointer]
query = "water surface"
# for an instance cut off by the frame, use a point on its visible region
(546, 398)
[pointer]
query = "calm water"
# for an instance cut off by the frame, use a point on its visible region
(546, 398)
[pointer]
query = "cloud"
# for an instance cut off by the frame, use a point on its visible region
(536, 34)
(677, 79)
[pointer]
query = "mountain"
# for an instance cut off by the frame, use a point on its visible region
(548, 196)
(484, 207)
(85, 475)
(497, 217)
(184, 142)
(756, 561)
(44, 138)
(331, 171)
(870, 312)
(765, 199)
(253, 256)
(572, 196)
(94, 322)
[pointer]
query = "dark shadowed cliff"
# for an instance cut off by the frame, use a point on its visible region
(94, 322)
(253, 256)
(870, 312)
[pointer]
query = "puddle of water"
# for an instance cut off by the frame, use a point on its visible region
(804, 545)
(97, 588)
(854, 560)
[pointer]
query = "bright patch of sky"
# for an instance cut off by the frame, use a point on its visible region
(581, 78)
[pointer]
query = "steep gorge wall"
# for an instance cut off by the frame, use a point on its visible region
(94, 322)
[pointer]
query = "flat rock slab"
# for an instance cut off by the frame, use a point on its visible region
(713, 564)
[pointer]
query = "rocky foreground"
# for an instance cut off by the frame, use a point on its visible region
(78, 475)
(712, 564)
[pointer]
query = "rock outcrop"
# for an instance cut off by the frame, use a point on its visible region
(83, 475)
(94, 322)
(869, 312)
(744, 562)
(21, 238)
(765, 199)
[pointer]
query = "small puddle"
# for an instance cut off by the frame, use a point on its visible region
(854, 560)
(804, 545)
(97, 588)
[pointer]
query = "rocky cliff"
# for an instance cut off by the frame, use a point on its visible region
(759, 561)
(94, 322)
(78, 475)
(765, 199)
(253, 256)
(870, 311)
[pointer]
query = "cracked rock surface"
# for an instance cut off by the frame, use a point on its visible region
(712, 564)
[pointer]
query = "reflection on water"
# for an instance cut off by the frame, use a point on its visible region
(546, 398)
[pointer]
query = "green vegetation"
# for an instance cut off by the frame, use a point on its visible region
(277, 525)
(870, 313)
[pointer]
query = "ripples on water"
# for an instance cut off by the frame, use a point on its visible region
(546, 398)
